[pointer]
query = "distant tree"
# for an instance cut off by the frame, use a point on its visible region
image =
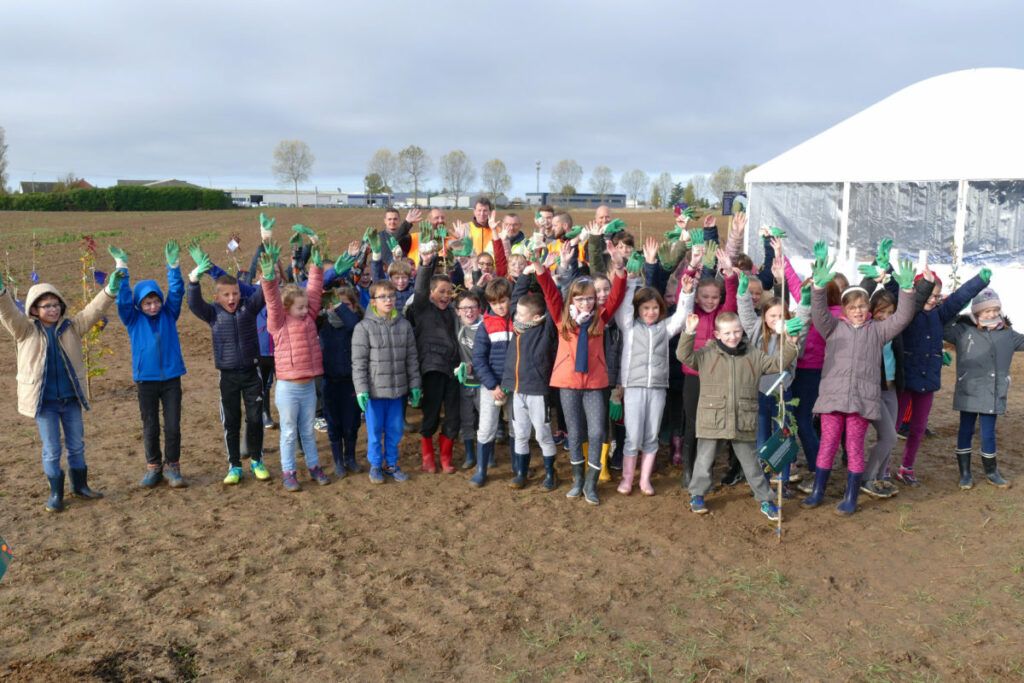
(677, 194)
(690, 194)
(566, 173)
(495, 178)
(567, 191)
(721, 180)
(602, 182)
(375, 184)
(457, 172)
(656, 199)
(3, 161)
(384, 164)
(664, 186)
(293, 161)
(635, 184)
(741, 175)
(701, 189)
(414, 166)
(66, 181)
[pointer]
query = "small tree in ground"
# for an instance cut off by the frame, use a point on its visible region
(293, 161)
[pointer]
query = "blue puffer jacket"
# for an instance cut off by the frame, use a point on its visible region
(922, 340)
(156, 351)
(336, 342)
(235, 342)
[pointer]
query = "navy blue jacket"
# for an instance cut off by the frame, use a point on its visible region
(156, 351)
(336, 342)
(235, 342)
(922, 340)
(529, 360)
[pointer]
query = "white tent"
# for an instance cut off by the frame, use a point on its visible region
(939, 166)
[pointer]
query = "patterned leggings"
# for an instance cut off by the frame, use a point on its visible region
(586, 414)
(832, 425)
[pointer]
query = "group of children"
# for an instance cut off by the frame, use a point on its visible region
(566, 336)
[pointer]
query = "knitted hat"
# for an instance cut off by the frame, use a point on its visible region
(936, 277)
(987, 298)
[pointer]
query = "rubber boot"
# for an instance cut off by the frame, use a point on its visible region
(821, 476)
(339, 459)
(992, 471)
(550, 480)
(55, 503)
(963, 462)
(615, 461)
(677, 450)
(80, 484)
(590, 485)
(483, 456)
(447, 452)
(849, 503)
(470, 461)
(351, 465)
(520, 471)
(646, 468)
(628, 472)
(576, 490)
(606, 474)
(427, 451)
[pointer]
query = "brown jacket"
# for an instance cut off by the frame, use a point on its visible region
(727, 407)
(31, 342)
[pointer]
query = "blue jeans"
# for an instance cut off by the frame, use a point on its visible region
(805, 387)
(296, 407)
(966, 434)
(385, 426)
(53, 415)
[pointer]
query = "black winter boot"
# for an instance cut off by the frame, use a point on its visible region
(351, 465)
(963, 462)
(55, 503)
(339, 459)
(576, 490)
(848, 505)
(550, 480)
(485, 452)
(80, 484)
(590, 486)
(992, 471)
(470, 461)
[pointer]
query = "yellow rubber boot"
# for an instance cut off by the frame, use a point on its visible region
(606, 474)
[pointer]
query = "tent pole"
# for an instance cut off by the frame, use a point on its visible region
(960, 230)
(844, 223)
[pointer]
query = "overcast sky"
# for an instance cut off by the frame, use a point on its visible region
(204, 90)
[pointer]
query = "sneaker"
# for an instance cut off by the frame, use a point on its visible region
(907, 477)
(396, 473)
(928, 433)
(234, 476)
(172, 472)
(376, 475)
(806, 486)
(697, 505)
(268, 422)
(889, 487)
(733, 477)
(876, 489)
(154, 475)
(259, 470)
(318, 475)
(770, 510)
(320, 424)
(561, 439)
(290, 481)
(903, 432)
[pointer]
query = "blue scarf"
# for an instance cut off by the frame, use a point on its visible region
(582, 356)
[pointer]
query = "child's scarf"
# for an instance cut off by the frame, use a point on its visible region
(582, 353)
(520, 327)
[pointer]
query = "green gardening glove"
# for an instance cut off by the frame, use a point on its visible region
(374, 241)
(615, 410)
(344, 264)
(267, 266)
(823, 273)
(710, 249)
(415, 396)
(316, 256)
(794, 326)
(674, 234)
(882, 257)
(870, 271)
(777, 232)
(744, 282)
(537, 256)
(689, 212)
(202, 259)
(120, 256)
(805, 295)
(947, 358)
(697, 236)
(904, 276)
(172, 254)
(303, 230)
(441, 233)
(295, 240)
(617, 225)
(669, 255)
(635, 264)
(985, 274)
(115, 280)
(820, 252)
(574, 232)
(266, 227)
(390, 242)
(463, 248)
(461, 372)
(195, 251)
(363, 400)
(274, 249)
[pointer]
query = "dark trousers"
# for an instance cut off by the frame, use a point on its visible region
(440, 390)
(691, 397)
(266, 367)
(237, 386)
(151, 396)
(342, 413)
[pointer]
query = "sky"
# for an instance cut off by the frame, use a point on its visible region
(204, 91)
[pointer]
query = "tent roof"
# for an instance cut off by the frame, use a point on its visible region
(957, 126)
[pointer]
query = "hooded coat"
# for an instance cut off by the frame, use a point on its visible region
(156, 350)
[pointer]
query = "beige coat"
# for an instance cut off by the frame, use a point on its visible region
(32, 342)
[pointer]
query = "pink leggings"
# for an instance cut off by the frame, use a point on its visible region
(920, 403)
(832, 425)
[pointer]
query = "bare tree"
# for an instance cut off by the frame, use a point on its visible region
(721, 180)
(635, 184)
(66, 181)
(741, 175)
(602, 182)
(565, 177)
(3, 161)
(414, 166)
(496, 178)
(664, 187)
(701, 187)
(293, 161)
(384, 164)
(457, 172)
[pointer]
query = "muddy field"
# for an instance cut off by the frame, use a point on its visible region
(432, 579)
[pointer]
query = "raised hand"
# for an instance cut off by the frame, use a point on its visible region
(371, 231)
(315, 256)
(115, 280)
(460, 230)
(635, 264)
(669, 254)
(820, 252)
(120, 256)
(674, 234)
(688, 284)
(882, 256)
(308, 232)
(904, 275)
(709, 221)
(355, 247)
(744, 283)
(615, 226)
(267, 260)
(413, 216)
(172, 254)
(777, 233)
(739, 223)
(692, 321)
(392, 244)
(871, 271)
(573, 233)
(374, 241)
(266, 227)
(696, 255)
(776, 243)
(696, 236)
(344, 263)
(985, 274)
(651, 250)
(274, 249)
(724, 262)
(823, 273)
(463, 248)
(493, 221)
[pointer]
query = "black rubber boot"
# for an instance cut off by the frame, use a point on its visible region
(55, 503)
(576, 490)
(351, 465)
(483, 456)
(821, 476)
(963, 462)
(590, 486)
(992, 471)
(80, 484)
(550, 480)
(615, 460)
(470, 461)
(848, 505)
(339, 459)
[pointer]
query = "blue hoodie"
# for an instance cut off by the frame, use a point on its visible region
(156, 351)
